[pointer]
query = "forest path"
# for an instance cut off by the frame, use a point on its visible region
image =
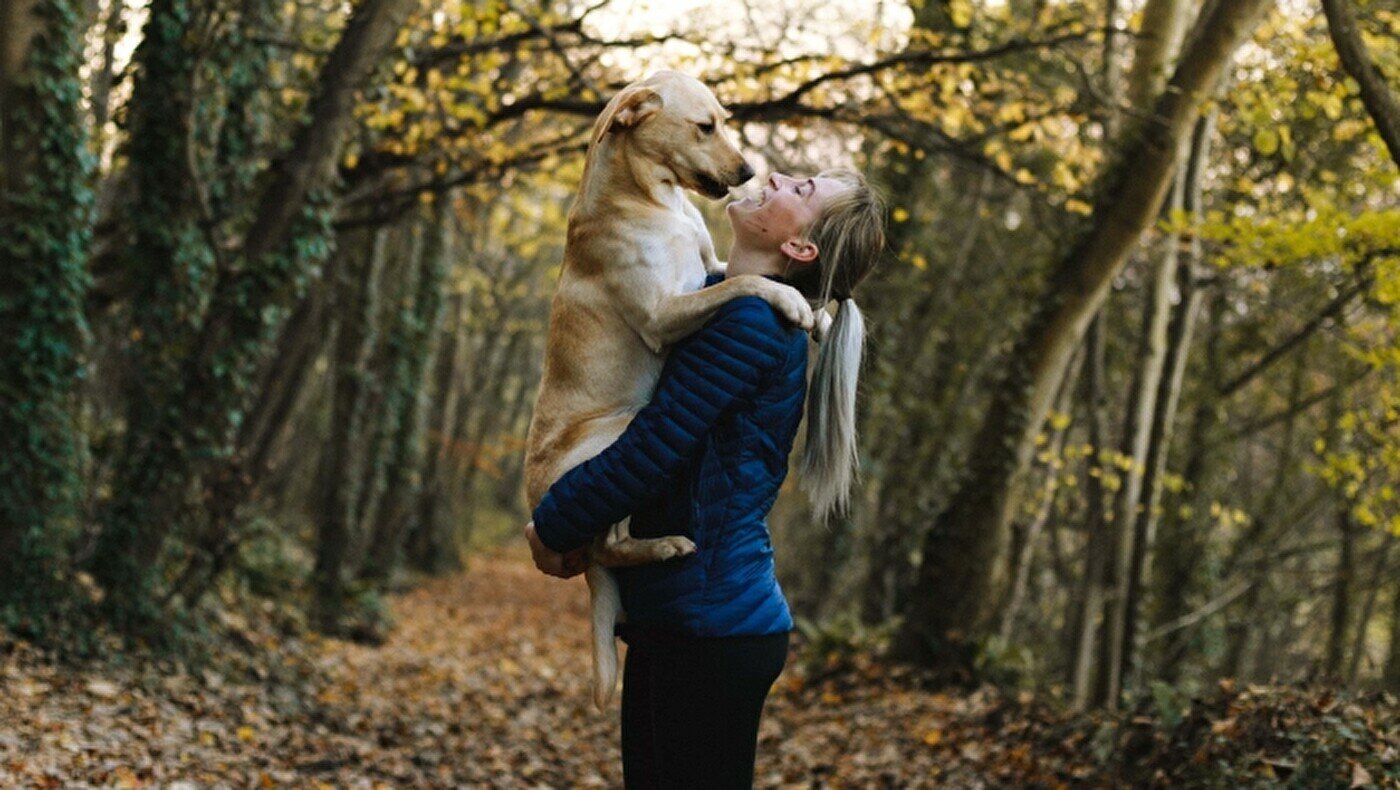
(483, 682)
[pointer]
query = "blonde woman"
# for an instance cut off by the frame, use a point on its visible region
(707, 634)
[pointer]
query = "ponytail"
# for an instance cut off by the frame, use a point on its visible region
(849, 235)
(830, 460)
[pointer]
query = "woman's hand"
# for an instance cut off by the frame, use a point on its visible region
(564, 566)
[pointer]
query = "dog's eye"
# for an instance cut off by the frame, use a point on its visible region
(706, 128)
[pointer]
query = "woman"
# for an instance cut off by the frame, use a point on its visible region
(707, 634)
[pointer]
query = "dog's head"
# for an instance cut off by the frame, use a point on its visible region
(676, 124)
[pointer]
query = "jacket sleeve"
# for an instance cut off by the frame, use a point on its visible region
(725, 361)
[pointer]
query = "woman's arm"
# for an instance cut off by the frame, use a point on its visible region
(726, 360)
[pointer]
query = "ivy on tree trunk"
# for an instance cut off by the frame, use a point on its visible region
(45, 207)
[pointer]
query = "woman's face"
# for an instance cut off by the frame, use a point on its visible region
(777, 220)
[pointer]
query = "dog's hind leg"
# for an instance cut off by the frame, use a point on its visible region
(618, 548)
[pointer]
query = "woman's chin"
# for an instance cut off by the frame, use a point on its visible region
(740, 218)
(743, 207)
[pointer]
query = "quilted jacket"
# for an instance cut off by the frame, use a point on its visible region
(704, 459)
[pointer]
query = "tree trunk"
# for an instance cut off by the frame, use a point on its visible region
(512, 480)
(1163, 24)
(948, 612)
(171, 264)
(45, 208)
(885, 545)
(1137, 437)
(293, 361)
(356, 304)
(432, 546)
(1258, 538)
(1163, 425)
(1391, 678)
(1112, 74)
(1184, 544)
(26, 22)
(1177, 342)
(486, 422)
(1088, 598)
(1097, 578)
(1340, 620)
(1021, 571)
(1368, 609)
(415, 331)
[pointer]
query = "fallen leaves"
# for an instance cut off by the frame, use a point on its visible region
(102, 689)
(485, 682)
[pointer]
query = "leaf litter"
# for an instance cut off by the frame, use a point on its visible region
(484, 682)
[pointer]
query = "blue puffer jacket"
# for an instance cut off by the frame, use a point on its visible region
(704, 459)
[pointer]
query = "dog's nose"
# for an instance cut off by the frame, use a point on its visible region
(745, 172)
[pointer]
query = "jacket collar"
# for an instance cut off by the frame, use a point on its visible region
(711, 279)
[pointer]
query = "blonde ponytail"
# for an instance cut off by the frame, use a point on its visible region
(849, 235)
(830, 461)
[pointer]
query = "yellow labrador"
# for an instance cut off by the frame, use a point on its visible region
(635, 259)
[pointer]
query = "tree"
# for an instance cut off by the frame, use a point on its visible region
(192, 420)
(962, 549)
(410, 347)
(355, 302)
(45, 205)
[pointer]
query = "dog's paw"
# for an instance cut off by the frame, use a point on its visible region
(676, 546)
(794, 306)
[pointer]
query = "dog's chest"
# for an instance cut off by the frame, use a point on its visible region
(688, 270)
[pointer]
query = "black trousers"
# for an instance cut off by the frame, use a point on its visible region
(691, 705)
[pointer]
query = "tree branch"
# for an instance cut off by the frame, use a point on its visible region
(1281, 350)
(1255, 426)
(1191, 618)
(1375, 94)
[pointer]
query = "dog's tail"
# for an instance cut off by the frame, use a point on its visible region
(607, 605)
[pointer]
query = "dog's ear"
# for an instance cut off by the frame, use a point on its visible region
(635, 105)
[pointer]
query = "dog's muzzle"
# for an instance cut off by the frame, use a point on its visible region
(710, 187)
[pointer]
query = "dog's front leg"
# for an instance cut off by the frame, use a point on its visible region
(822, 325)
(712, 263)
(674, 317)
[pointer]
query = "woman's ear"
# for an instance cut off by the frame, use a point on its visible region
(800, 250)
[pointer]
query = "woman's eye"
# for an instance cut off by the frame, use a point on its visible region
(706, 128)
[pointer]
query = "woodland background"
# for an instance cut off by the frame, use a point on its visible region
(274, 278)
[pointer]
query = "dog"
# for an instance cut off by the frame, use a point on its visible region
(635, 260)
